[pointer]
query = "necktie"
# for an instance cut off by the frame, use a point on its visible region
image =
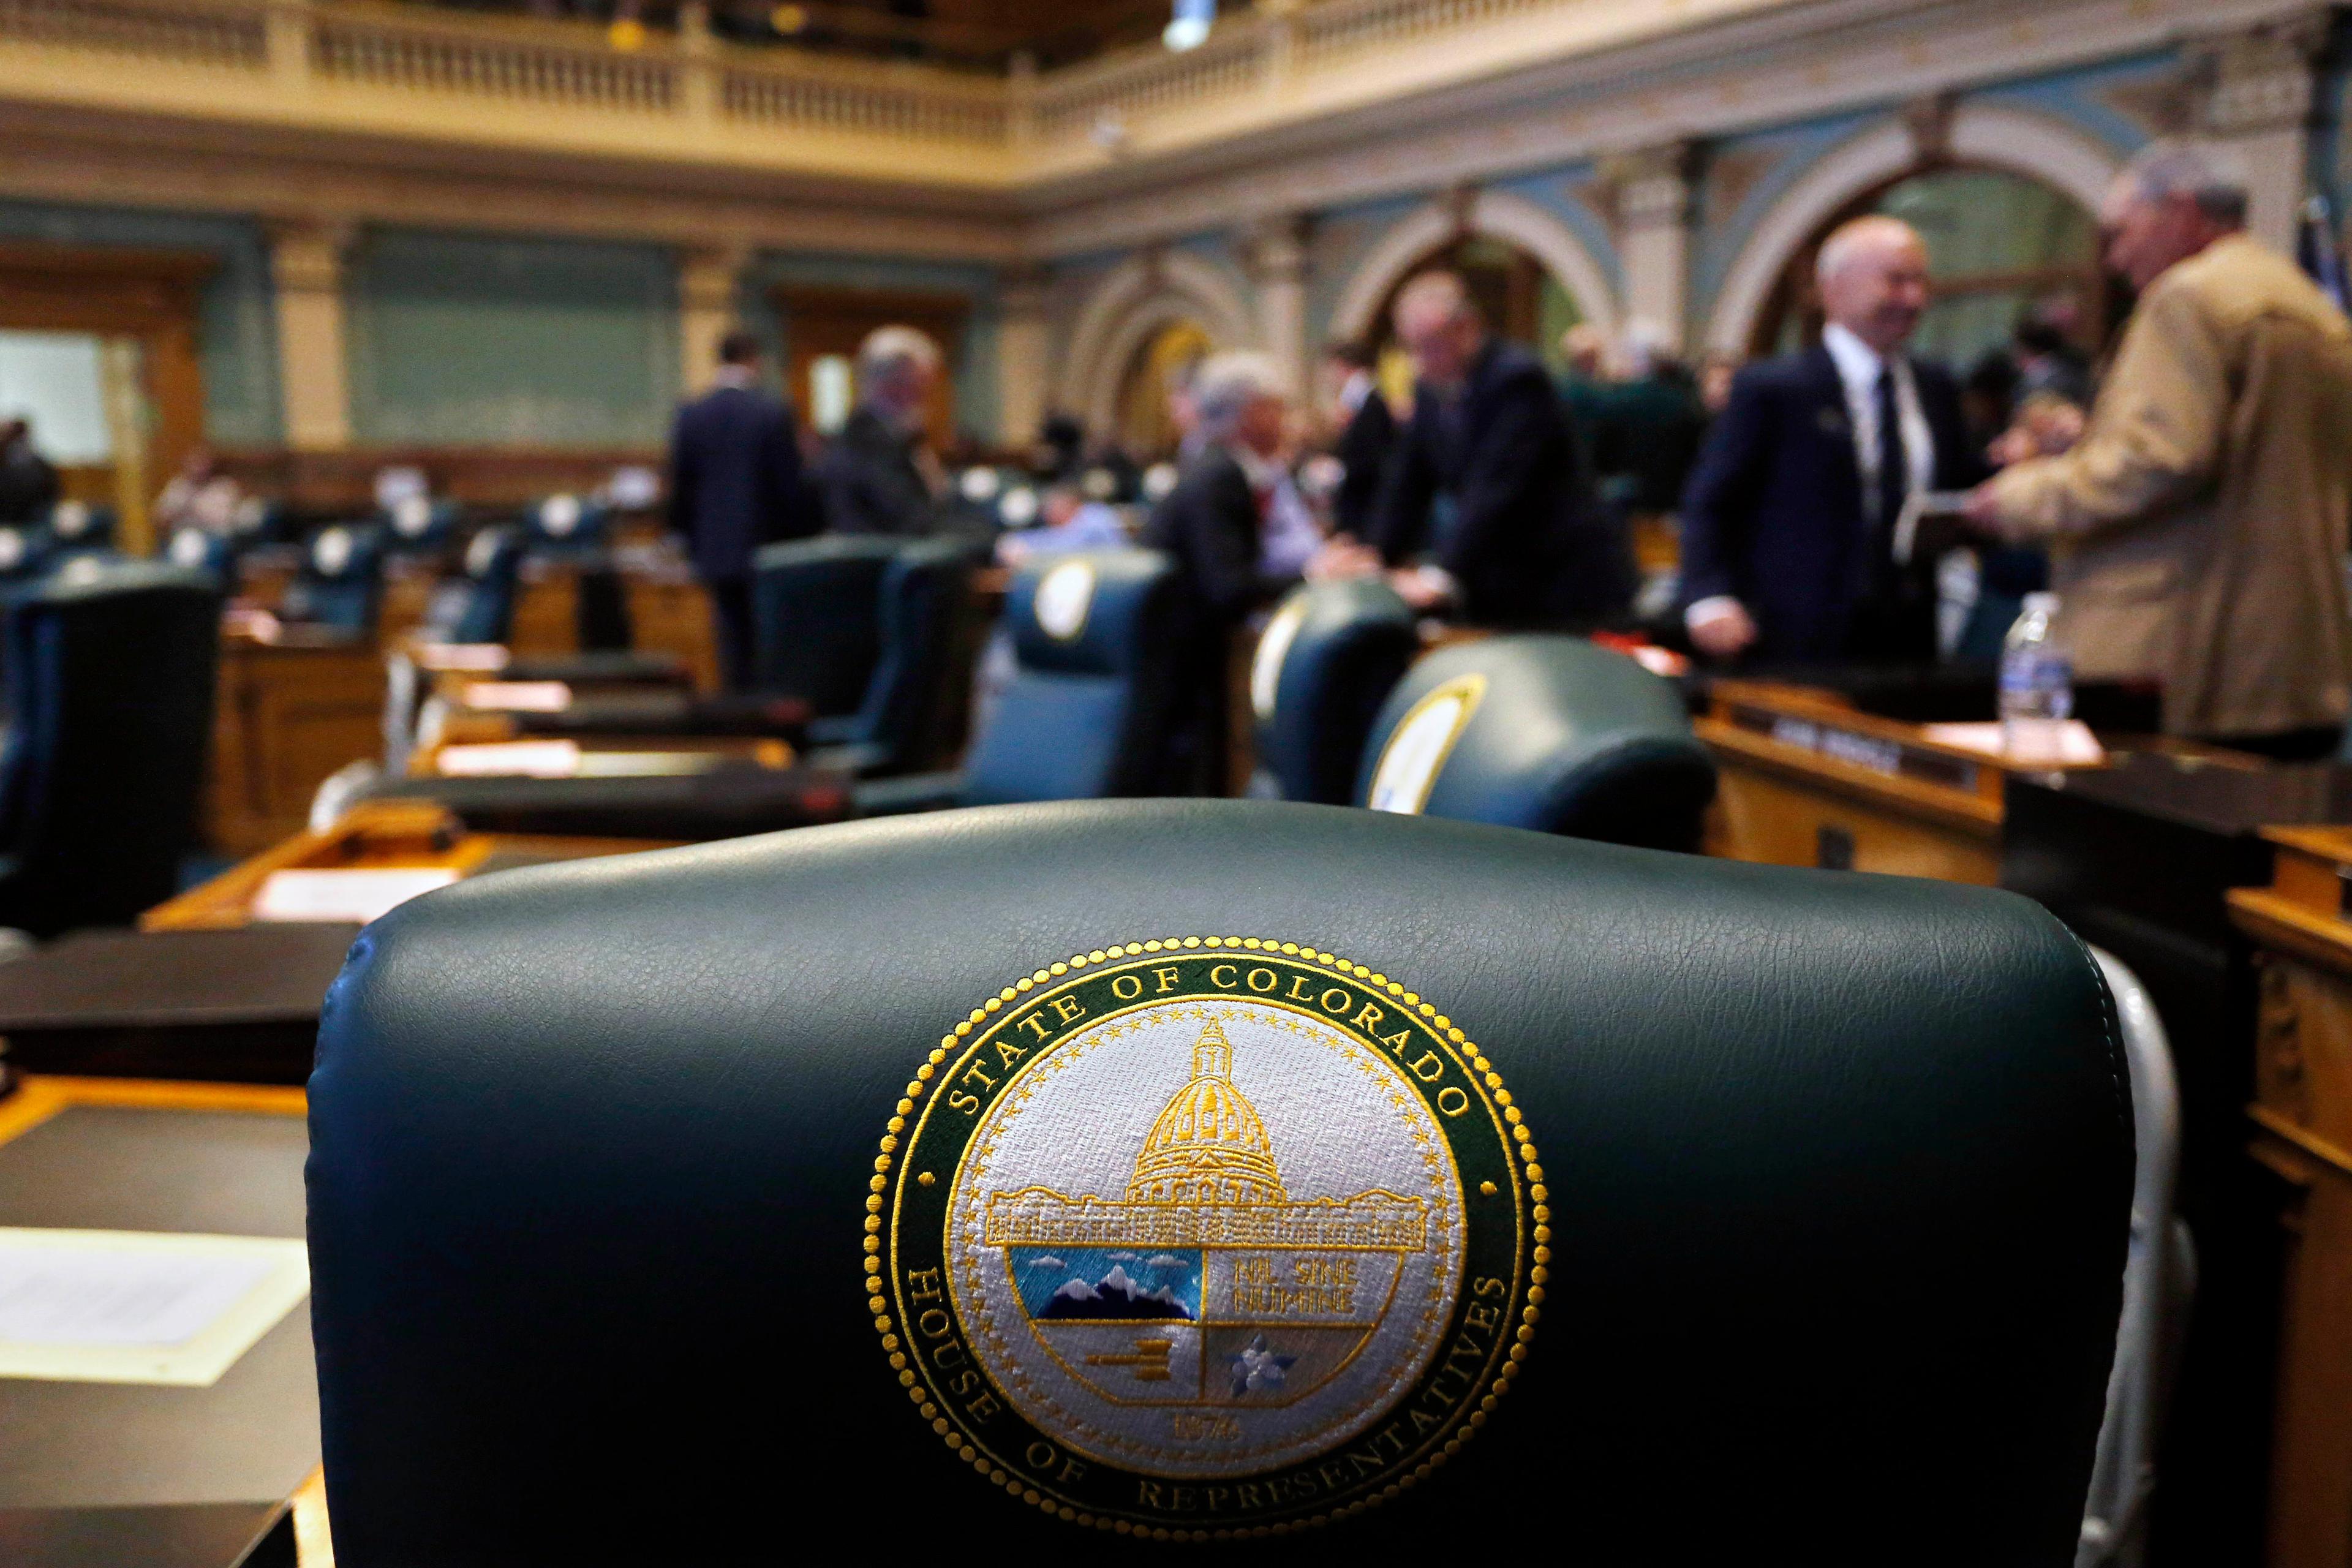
(1894, 470)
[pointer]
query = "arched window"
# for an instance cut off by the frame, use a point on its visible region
(2000, 244)
(1518, 296)
(1144, 428)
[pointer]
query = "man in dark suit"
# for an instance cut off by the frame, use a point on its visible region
(1483, 513)
(1365, 440)
(1221, 526)
(1789, 518)
(734, 485)
(28, 484)
(878, 474)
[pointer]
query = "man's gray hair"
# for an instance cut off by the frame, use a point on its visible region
(889, 352)
(1229, 383)
(2214, 179)
(1852, 238)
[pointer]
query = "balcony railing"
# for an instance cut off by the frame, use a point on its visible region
(1251, 71)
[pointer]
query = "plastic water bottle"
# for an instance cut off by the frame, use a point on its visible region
(2037, 684)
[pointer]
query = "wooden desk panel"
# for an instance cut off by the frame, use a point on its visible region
(289, 715)
(1807, 780)
(379, 834)
(2302, 1119)
(672, 616)
(113, 1473)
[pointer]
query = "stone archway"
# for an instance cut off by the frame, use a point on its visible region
(1137, 299)
(1497, 215)
(2033, 146)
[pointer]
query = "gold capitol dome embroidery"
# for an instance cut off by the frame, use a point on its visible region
(1300, 1282)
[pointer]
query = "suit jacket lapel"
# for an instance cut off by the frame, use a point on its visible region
(1831, 424)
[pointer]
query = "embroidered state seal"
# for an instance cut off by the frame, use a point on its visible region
(1206, 1236)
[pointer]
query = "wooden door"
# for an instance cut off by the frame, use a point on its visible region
(823, 328)
(146, 295)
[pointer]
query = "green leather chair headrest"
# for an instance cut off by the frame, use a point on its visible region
(1020, 1181)
(1552, 734)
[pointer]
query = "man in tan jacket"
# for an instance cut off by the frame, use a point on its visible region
(2197, 530)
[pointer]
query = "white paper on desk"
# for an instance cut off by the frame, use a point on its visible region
(113, 1306)
(358, 893)
(2076, 744)
(487, 656)
(495, 759)
(518, 696)
(1919, 505)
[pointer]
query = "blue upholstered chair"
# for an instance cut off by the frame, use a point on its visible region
(24, 554)
(919, 594)
(816, 619)
(341, 582)
(416, 525)
(194, 549)
(566, 523)
(109, 677)
(80, 526)
(1086, 713)
(1327, 660)
(1545, 732)
(482, 608)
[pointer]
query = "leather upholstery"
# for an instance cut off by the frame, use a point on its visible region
(200, 550)
(80, 526)
(417, 524)
(340, 582)
(566, 524)
(110, 673)
(920, 593)
(24, 554)
(1085, 713)
(1341, 646)
(493, 578)
(816, 619)
(1839, 1166)
(1567, 737)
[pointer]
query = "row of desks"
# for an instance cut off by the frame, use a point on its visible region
(2222, 882)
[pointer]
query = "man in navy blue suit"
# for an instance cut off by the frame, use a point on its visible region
(1484, 510)
(1788, 519)
(735, 485)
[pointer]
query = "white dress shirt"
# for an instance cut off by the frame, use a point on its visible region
(1859, 367)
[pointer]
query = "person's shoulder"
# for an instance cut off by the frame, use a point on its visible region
(1516, 369)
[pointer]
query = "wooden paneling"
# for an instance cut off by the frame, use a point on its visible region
(2303, 1131)
(289, 715)
(820, 323)
(343, 482)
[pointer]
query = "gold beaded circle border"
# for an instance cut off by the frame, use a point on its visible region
(1538, 1269)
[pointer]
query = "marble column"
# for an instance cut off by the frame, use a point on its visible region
(1655, 190)
(1022, 390)
(306, 262)
(1277, 247)
(2258, 99)
(708, 278)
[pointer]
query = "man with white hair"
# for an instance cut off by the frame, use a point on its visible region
(879, 475)
(1222, 526)
(1788, 518)
(2197, 526)
(1483, 514)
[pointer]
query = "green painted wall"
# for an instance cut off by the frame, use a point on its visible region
(974, 358)
(235, 325)
(467, 340)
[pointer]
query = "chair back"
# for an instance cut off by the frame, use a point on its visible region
(80, 525)
(493, 575)
(1086, 713)
(1327, 660)
(922, 592)
(1549, 732)
(194, 549)
(110, 674)
(1546, 1182)
(565, 523)
(25, 553)
(416, 524)
(341, 582)
(816, 619)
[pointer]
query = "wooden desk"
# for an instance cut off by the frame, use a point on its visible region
(2302, 1115)
(668, 612)
(375, 835)
(1807, 780)
(290, 713)
(101, 1475)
